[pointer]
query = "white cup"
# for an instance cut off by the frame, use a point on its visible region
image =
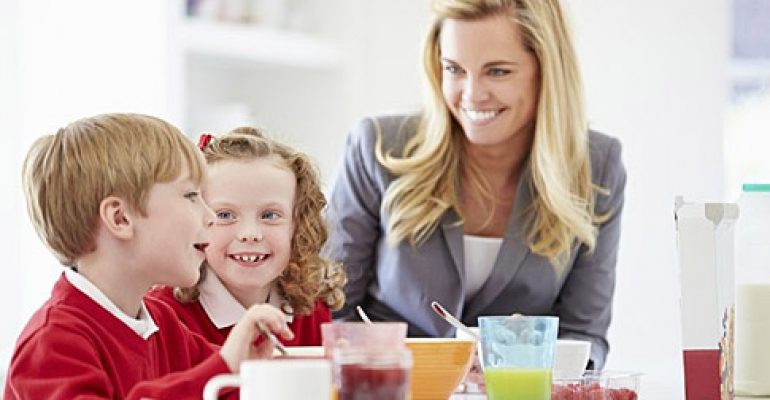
(571, 358)
(276, 379)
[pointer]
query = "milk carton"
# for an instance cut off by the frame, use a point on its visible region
(752, 296)
(705, 243)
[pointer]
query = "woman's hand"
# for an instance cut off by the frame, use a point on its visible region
(239, 345)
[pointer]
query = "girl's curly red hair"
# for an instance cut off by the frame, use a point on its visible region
(308, 276)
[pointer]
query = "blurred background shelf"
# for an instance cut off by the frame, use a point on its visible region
(255, 44)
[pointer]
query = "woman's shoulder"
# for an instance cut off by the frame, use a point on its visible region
(395, 130)
(607, 167)
(603, 145)
(605, 153)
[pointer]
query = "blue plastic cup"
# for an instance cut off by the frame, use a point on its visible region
(517, 352)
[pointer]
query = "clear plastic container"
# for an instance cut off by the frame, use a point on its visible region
(605, 385)
(374, 375)
(752, 295)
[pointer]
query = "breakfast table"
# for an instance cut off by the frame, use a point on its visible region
(481, 396)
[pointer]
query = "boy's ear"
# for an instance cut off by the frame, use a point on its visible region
(116, 217)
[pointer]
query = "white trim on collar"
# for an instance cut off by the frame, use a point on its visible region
(144, 326)
(224, 310)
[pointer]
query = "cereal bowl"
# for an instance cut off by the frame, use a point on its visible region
(439, 365)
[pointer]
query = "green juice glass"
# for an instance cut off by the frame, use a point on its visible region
(517, 353)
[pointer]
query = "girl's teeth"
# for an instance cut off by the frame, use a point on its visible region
(480, 115)
(250, 258)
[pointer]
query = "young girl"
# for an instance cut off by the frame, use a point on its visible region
(265, 244)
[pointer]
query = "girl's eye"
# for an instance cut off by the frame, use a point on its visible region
(192, 196)
(225, 215)
(271, 215)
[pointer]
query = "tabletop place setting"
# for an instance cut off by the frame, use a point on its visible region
(505, 357)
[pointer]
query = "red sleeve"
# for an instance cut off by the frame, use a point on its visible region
(186, 384)
(57, 363)
(63, 365)
(203, 362)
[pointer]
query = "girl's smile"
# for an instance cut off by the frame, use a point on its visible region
(249, 259)
(250, 240)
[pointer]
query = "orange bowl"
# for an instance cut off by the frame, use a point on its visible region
(440, 364)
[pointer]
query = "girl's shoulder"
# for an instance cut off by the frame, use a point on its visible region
(165, 294)
(161, 292)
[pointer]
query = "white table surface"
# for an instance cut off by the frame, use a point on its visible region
(469, 396)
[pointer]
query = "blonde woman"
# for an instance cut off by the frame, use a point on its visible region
(496, 198)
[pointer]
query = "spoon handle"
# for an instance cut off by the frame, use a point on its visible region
(442, 312)
(274, 340)
(363, 315)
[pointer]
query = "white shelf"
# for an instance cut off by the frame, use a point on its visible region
(257, 45)
(750, 70)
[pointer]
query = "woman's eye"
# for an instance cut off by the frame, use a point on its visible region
(499, 72)
(192, 196)
(225, 215)
(452, 69)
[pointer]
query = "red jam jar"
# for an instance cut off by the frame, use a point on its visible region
(374, 376)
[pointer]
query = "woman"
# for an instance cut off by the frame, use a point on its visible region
(496, 198)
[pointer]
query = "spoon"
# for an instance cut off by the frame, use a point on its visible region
(274, 340)
(363, 315)
(442, 312)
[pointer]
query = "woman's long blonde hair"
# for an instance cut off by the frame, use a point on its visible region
(308, 276)
(428, 171)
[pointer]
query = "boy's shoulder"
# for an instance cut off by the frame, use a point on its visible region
(65, 310)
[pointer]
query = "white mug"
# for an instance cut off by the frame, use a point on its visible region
(276, 379)
(571, 358)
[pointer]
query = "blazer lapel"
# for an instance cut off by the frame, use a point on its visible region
(453, 236)
(512, 254)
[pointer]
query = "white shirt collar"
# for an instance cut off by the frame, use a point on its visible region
(144, 326)
(224, 310)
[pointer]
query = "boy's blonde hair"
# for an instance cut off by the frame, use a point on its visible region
(67, 175)
(308, 276)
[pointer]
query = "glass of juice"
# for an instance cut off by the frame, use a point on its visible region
(517, 353)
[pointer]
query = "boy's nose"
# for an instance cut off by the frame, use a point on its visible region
(209, 216)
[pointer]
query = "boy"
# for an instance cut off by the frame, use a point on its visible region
(115, 197)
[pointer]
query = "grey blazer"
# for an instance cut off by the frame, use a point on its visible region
(399, 283)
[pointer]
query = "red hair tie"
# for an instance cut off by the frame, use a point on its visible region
(204, 141)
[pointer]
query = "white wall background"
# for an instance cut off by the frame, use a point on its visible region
(10, 208)
(655, 76)
(66, 60)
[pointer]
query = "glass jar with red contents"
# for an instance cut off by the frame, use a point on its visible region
(374, 375)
